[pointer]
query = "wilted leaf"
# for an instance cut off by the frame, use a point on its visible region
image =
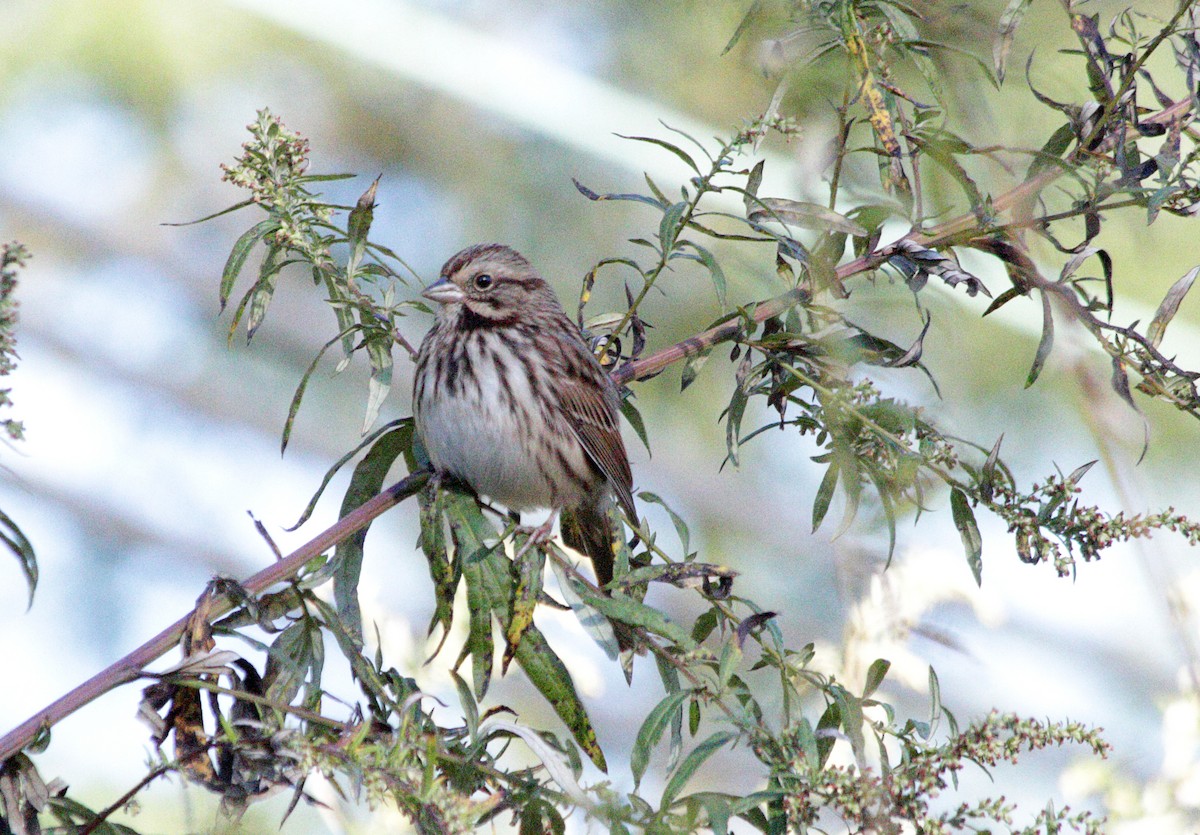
(804, 215)
(751, 623)
(1170, 306)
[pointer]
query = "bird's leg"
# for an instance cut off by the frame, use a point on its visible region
(539, 535)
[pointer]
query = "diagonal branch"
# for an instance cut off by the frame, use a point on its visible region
(130, 667)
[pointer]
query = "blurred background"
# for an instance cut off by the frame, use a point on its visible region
(151, 435)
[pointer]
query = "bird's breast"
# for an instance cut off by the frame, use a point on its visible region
(486, 419)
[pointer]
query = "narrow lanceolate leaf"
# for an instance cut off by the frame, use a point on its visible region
(751, 15)
(595, 624)
(358, 226)
(379, 351)
(692, 366)
(634, 418)
(662, 143)
(529, 568)
(1045, 344)
(294, 408)
(629, 611)
(364, 484)
(444, 573)
(691, 763)
(1009, 20)
(263, 291)
(237, 256)
(714, 269)
(753, 181)
(22, 549)
(804, 215)
(987, 475)
(968, 529)
(1170, 306)
(668, 710)
(824, 494)
(479, 637)
(549, 675)
(875, 675)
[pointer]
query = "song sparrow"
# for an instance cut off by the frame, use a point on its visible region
(509, 399)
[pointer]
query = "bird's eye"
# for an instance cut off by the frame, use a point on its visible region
(483, 281)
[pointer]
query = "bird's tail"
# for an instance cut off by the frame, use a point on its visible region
(591, 530)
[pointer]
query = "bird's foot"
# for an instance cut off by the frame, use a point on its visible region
(537, 536)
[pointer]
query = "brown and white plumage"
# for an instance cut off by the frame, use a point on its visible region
(509, 399)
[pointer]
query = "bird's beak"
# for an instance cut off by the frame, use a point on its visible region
(443, 291)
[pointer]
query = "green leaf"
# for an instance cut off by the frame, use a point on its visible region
(1007, 29)
(479, 639)
(747, 18)
(595, 624)
(968, 529)
(987, 475)
(824, 494)
(1045, 344)
(664, 713)
(1051, 153)
(22, 549)
(691, 763)
(263, 291)
(825, 732)
(241, 249)
(296, 655)
(469, 706)
(379, 351)
(539, 817)
(549, 675)
(718, 275)
(662, 143)
(365, 483)
(529, 569)
(668, 227)
(753, 181)
(357, 227)
(332, 471)
(626, 610)
(935, 702)
(1170, 306)
(634, 417)
(294, 407)
(875, 675)
(681, 528)
(692, 366)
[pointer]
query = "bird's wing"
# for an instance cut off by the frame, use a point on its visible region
(592, 411)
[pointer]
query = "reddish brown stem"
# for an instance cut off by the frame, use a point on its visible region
(130, 667)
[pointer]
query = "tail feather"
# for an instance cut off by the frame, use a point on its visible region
(589, 530)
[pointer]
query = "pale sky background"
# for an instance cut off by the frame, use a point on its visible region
(150, 437)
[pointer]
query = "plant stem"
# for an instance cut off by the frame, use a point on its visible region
(130, 667)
